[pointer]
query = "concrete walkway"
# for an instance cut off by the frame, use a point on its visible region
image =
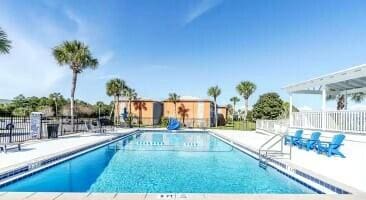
(350, 171)
(152, 196)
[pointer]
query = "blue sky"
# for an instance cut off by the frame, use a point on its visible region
(182, 46)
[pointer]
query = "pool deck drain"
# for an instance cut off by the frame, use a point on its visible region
(178, 196)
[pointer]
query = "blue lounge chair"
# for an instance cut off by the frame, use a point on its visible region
(331, 148)
(294, 140)
(310, 143)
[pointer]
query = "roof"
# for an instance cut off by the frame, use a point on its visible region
(351, 80)
(145, 100)
(190, 99)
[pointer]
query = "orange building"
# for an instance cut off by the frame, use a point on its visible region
(190, 111)
(222, 113)
(145, 110)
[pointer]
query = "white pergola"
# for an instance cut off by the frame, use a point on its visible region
(348, 81)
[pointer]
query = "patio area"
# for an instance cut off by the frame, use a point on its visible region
(347, 172)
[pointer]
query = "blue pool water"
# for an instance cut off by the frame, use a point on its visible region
(161, 162)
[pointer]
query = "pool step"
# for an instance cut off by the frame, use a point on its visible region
(263, 164)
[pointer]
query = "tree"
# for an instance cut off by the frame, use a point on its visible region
(268, 106)
(174, 98)
(78, 57)
(131, 95)
(4, 43)
(234, 100)
(115, 88)
(183, 112)
(101, 109)
(214, 92)
(56, 101)
(246, 89)
(286, 110)
(140, 106)
(341, 98)
(230, 111)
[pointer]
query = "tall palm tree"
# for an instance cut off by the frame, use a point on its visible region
(174, 98)
(131, 95)
(234, 100)
(246, 89)
(183, 112)
(214, 92)
(4, 43)
(78, 57)
(140, 106)
(115, 87)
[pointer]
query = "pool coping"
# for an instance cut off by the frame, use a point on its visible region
(294, 172)
(297, 173)
(170, 196)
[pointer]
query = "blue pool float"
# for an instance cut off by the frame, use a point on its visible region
(173, 124)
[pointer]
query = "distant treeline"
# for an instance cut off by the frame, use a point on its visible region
(53, 105)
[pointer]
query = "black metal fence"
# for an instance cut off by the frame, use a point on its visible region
(18, 128)
(163, 122)
(14, 129)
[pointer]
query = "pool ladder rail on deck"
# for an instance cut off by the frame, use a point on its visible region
(267, 151)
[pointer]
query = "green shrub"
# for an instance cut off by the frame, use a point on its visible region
(164, 121)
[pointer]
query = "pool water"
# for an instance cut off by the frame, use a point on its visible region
(161, 162)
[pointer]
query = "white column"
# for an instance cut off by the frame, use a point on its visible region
(324, 105)
(290, 111)
(345, 101)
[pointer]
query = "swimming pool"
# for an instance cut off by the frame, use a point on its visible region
(161, 162)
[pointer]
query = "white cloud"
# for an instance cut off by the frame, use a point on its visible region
(106, 58)
(200, 9)
(29, 68)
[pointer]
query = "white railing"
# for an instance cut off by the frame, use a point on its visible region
(336, 121)
(272, 126)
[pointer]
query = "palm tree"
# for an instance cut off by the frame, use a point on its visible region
(214, 92)
(78, 57)
(4, 43)
(234, 100)
(183, 112)
(140, 105)
(115, 87)
(131, 95)
(55, 97)
(246, 89)
(174, 98)
(99, 104)
(342, 98)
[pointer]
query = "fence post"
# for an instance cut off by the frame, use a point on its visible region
(10, 128)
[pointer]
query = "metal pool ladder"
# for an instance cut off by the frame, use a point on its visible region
(267, 150)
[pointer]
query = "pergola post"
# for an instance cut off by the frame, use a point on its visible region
(290, 111)
(324, 106)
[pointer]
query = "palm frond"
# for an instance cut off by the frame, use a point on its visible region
(76, 54)
(4, 43)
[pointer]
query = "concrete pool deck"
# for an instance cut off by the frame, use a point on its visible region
(38, 149)
(347, 171)
(350, 172)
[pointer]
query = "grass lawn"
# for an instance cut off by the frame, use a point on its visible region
(239, 125)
